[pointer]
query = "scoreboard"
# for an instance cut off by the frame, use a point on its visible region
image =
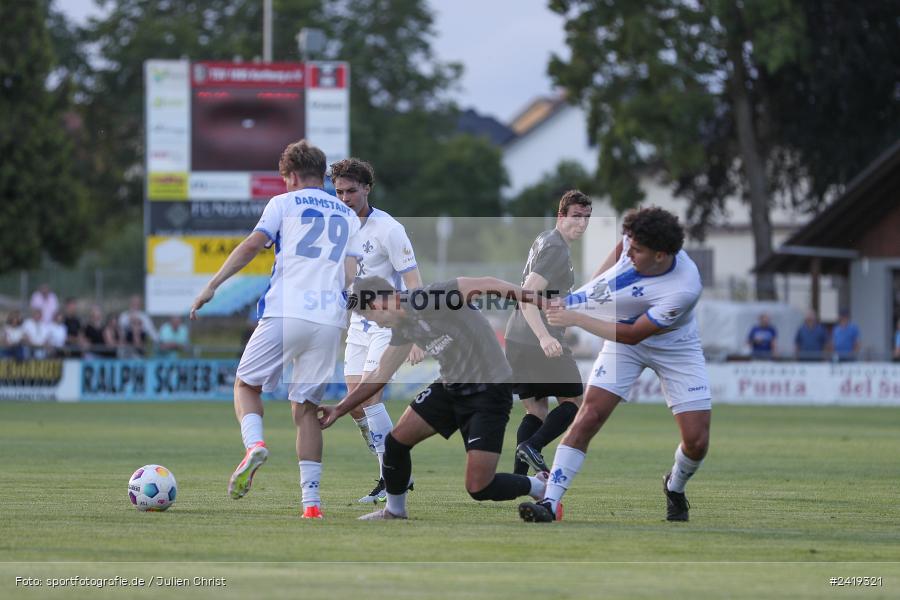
(214, 134)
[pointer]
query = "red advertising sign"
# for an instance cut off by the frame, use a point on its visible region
(207, 74)
(266, 185)
(327, 75)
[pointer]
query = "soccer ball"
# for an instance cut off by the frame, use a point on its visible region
(152, 487)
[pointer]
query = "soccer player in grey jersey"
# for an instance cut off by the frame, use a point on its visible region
(473, 394)
(541, 360)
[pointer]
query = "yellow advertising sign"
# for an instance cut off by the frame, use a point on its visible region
(167, 186)
(199, 256)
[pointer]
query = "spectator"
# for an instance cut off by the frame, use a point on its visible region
(135, 310)
(845, 338)
(74, 330)
(897, 342)
(762, 338)
(14, 336)
(811, 339)
(44, 300)
(173, 337)
(92, 342)
(56, 336)
(37, 333)
(135, 341)
(113, 337)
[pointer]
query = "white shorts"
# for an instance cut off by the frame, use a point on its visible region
(298, 352)
(681, 370)
(364, 349)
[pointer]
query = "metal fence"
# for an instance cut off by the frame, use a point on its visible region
(107, 287)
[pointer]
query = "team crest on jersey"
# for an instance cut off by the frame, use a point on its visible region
(407, 251)
(637, 291)
(601, 293)
(368, 247)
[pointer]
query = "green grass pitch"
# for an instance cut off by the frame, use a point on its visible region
(788, 498)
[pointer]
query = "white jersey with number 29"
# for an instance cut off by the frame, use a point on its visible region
(313, 232)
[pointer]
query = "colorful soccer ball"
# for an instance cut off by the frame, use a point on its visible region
(152, 487)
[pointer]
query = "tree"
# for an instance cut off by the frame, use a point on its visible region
(42, 204)
(400, 110)
(543, 197)
(835, 109)
(460, 177)
(701, 93)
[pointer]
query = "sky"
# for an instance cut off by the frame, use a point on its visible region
(504, 46)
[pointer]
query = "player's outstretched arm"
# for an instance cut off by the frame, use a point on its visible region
(370, 385)
(476, 286)
(239, 258)
(622, 333)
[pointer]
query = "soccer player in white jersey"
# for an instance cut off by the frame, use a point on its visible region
(385, 251)
(301, 314)
(643, 306)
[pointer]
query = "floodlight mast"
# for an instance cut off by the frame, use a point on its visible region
(267, 31)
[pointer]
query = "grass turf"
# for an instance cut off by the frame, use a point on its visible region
(788, 498)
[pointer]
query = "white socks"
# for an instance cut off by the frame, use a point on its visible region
(251, 429)
(380, 425)
(566, 464)
(538, 487)
(396, 504)
(682, 470)
(363, 424)
(310, 473)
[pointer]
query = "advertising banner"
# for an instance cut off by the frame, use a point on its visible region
(168, 115)
(790, 383)
(199, 255)
(167, 185)
(265, 185)
(178, 267)
(328, 108)
(157, 379)
(759, 383)
(176, 219)
(213, 185)
(39, 380)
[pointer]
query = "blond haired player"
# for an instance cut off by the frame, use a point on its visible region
(302, 314)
